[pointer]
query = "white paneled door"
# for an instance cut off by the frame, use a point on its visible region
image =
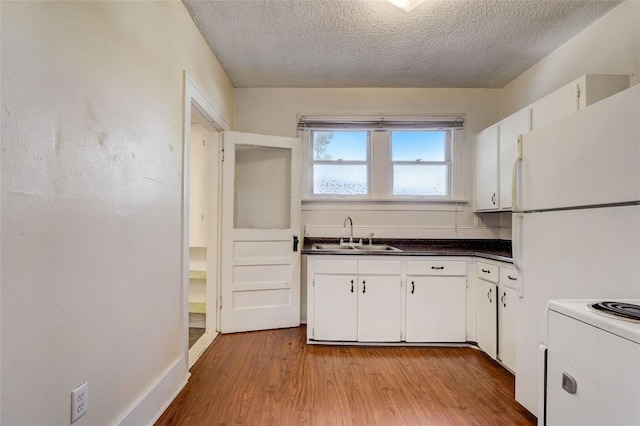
(260, 284)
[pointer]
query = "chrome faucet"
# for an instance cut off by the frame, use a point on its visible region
(370, 237)
(351, 228)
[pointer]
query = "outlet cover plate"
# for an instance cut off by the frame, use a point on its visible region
(79, 401)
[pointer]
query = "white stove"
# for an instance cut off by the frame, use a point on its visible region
(590, 363)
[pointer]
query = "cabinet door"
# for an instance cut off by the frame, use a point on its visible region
(507, 318)
(556, 105)
(510, 128)
(486, 317)
(436, 309)
(486, 196)
(379, 305)
(335, 307)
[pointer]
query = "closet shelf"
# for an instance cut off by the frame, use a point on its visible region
(197, 275)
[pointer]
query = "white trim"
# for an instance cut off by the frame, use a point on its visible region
(149, 407)
(198, 348)
(193, 94)
(412, 204)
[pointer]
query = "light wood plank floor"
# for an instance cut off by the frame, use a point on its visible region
(274, 378)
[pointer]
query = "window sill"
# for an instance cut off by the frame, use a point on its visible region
(340, 200)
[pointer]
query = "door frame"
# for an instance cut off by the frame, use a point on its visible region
(196, 99)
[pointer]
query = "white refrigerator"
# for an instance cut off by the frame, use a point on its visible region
(576, 221)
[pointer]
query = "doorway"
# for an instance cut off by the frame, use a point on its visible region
(203, 221)
(201, 204)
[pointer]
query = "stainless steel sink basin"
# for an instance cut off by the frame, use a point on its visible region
(353, 248)
(331, 247)
(377, 247)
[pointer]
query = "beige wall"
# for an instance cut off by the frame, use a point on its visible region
(274, 111)
(92, 107)
(610, 46)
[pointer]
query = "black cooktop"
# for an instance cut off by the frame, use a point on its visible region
(622, 310)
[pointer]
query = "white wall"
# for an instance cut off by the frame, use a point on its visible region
(274, 111)
(611, 45)
(92, 107)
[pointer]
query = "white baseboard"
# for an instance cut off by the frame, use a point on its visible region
(200, 346)
(150, 406)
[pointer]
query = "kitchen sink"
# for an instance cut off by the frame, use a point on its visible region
(354, 248)
(331, 247)
(377, 247)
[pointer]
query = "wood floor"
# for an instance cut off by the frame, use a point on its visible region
(274, 378)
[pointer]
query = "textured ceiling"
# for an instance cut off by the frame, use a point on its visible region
(371, 43)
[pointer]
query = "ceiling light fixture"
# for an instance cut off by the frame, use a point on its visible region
(405, 5)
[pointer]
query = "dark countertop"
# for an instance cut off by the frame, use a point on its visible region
(499, 250)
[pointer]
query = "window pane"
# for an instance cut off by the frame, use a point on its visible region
(262, 187)
(420, 180)
(414, 146)
(340, 179)
(339, 145)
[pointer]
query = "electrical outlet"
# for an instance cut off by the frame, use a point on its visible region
(79, 401)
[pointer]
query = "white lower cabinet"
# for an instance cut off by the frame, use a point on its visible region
(365, 299)
(355, 300)
(486, 317)
(336, 308)
(507, 317)
(412, 299)
(496, 310)
(436, 302)
(379, 303)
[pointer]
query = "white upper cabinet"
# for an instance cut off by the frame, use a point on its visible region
(496, 146)
(575, 96)
(510, 128)
(486, 194)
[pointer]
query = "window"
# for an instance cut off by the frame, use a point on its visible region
(340, 162)
(382, 158)
(420, 163)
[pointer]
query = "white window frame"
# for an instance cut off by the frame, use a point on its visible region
(311, 162)
(447, 162)
(380, 165)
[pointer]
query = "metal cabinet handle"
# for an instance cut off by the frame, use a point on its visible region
(502, 299)
(413, 287)
(486, 271)
(493, 198)
(437, 267)
(351, 286)
(489, 295)
(512, 278)
(364, 286)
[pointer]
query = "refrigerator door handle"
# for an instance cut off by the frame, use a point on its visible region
(517, 223)
(514, 176)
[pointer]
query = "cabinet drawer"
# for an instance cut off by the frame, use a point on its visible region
(508, 277)
(335, 266)
(386, 267)
(437, 267)
(488, 271)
